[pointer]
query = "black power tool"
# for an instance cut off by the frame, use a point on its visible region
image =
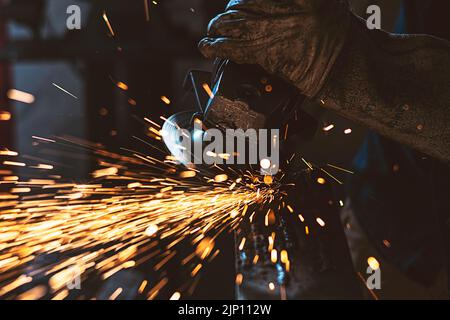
(242, 97)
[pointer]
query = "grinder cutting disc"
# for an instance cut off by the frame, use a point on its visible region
(171, 134)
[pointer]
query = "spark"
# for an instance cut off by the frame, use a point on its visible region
(20, 190)
(373, 263)
(34, 293)
(43, 139)
(139, 209)
(234, 213)
(242, 244)
(152, 122)
(175, 296)
(151, 230)
(268, 180)
(221, 178)
(14, 163)
(364, 282)
(239, 279)
(122, 85)
(308, 164)
(165, 100)
(286, 131)
(331, 176)
(320, 222)
(208, 90)
(142, 286)
(125, 223)
(116, 294)
(61, 295)
(274, 256)
(8, 153)
(196, 270)
(321, 181)
(204, 248)
(64, 90)
(284, 256)
(20, 96)
(105, 172)
(105, 17)
(44, 166)
(134, 185)
(5, 116)
(271, 242)
(11, 178)
(339, 168)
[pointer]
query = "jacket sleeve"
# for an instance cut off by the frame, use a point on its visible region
(397, 85)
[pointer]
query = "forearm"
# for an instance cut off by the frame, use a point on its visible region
(395, 85)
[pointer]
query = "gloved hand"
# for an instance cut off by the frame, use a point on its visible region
(396, 85)
(298, 40)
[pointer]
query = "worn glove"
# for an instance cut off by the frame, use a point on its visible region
(298, 40)
(396, 85)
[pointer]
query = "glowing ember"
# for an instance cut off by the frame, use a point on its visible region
(373, 263)
(5, 116)
(20, 96)
(320, 222)
(175, 296)
(105, 18)
(208, 90)
(165, 100)
(151, 230)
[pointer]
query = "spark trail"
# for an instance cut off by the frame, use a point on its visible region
(137, 211)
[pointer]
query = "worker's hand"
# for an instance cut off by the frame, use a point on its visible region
(298, 40)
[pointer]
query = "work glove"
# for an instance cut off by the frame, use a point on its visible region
(396, 85)
(298, 40)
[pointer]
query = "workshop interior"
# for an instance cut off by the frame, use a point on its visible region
(100, 201)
